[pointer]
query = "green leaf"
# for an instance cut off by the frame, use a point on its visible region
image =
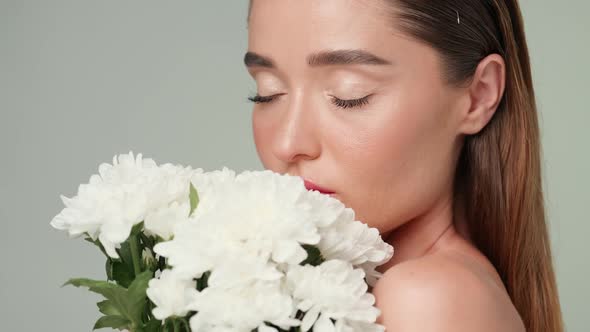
(184, 324)
(176, 324)
(153, 326)
(108, 308)
(122, 273)
(111, 291)
(194, 198)
(125, 254)
(137, 228)
(115, 322)
(314, 256)
(203, 281)
(140, 284)
(98, 286)
(137, 298)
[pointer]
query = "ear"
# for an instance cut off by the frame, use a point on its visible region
(485, 93)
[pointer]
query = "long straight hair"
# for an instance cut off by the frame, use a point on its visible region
(499, 169)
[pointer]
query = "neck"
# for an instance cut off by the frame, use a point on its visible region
(422, 235)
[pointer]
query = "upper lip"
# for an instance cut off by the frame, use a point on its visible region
(309, 185)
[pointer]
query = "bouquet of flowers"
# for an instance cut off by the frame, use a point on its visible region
(188, 250)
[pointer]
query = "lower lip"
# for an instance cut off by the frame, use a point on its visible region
(310, 186)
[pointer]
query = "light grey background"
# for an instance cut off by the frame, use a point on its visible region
(81, 81)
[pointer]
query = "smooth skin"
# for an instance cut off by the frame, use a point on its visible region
(391, 158)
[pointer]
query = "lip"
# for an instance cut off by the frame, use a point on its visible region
(312, 186)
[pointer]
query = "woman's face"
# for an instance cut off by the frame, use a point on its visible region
(390, 157)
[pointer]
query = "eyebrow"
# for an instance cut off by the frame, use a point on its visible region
(324, 58)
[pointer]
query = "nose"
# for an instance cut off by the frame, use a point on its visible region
(297, 135)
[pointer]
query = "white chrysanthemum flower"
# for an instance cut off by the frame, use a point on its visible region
(110, 204)
(171, 294)
(325, 210)
(272, 218)
(119, 197)
(355, 242)
(332, 290)
(243, 308)
(371, 273)
(193, 250)
(162, 221)
(209, 182)
(240, 267)
(261, 213)
(174, 184)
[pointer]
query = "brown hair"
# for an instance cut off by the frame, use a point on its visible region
(499, 171)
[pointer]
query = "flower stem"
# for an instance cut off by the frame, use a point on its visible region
(134, 246)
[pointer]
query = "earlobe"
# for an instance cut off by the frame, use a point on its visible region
(485, 93)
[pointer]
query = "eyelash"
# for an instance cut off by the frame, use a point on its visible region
(342, 103)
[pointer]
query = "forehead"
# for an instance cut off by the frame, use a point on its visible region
(299, 27)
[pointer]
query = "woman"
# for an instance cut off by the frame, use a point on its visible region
(419, 115)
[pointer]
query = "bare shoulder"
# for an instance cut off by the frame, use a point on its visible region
(442, 292)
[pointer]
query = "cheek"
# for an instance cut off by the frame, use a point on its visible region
(400, 160)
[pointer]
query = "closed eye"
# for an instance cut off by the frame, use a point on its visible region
(342, 103)
(350, 103)
(262, 99)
